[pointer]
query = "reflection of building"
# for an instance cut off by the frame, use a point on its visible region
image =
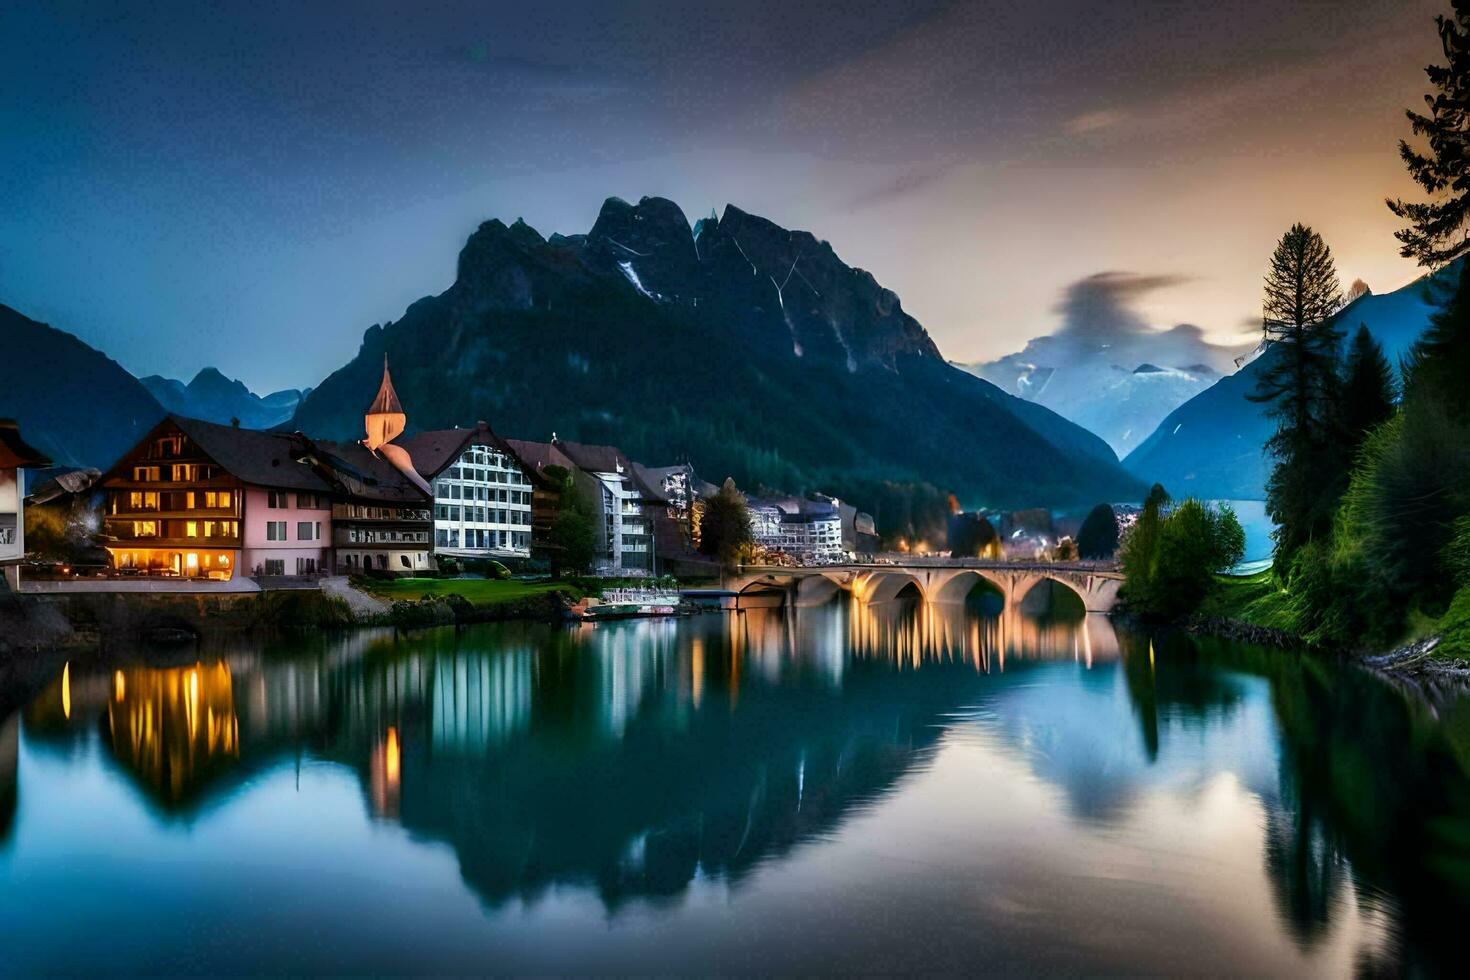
(482, 493)
(15, 458)
(175, 729)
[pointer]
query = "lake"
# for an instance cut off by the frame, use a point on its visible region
(835, 790)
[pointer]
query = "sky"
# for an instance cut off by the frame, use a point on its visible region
(251, 186)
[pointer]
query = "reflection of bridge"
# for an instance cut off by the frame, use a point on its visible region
(1096, 584)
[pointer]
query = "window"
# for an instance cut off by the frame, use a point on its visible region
(146, 474)
(143, 500)
(275, 530)
(382, 561)
(454, 492)
(145, 529)
(184, 472)
(308, 530)
(276, 500)
(305, 566)
(306, 501)
(168, 446)
(275, 566)
(191, 529)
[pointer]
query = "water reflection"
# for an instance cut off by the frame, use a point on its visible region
(637, 760)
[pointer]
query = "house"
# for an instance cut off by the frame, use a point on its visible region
(807, 530)
(626, 533)
(677, 495)
(549, 469)
(199, 500)
(381, 519)
(195, 499)
(15, 458)
(483, 493)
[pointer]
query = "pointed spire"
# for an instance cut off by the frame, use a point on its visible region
(387, 399)
(384, 420)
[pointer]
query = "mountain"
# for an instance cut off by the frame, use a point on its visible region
(213, 397)
(72, 402)
(1105, 368)
(1212, 446)
(743, 347)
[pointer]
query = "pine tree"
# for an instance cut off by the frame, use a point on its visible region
(1299, 381)
(1368, 390)
(1437, 228)
(1098, 536)
(725, 532)
(1438, 366)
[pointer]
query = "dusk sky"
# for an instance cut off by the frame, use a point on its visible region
(252, 186)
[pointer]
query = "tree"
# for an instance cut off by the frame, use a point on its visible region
(572, 537)
(1299, 381)
(725, 529)
(1439, 362)
(1187, 548)
(1436, 231)
(1368, 390)
(1141, 544)
(1098, 536)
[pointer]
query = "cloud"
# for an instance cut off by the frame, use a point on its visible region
(1098, 309)
(909, 182)
(1091, 122)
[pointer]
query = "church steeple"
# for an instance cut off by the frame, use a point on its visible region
(384, 420)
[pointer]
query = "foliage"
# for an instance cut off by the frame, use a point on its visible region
(1066, 550)
(1436, 231)
(1142, 543)
(1299, 381)
(477, 591)
(573, 535)
(1098, 536)
(725, 528)
(1368, 390)
(1171, 569)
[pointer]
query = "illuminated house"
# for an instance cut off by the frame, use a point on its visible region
(807, 530)
(483, 494)
(15, 457)
(198, 500)
(382, 522)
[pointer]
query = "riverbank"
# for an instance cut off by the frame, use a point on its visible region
(1255, 609)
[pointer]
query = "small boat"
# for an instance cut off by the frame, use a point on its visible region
(626, 603)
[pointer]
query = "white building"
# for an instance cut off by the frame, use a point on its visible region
(626, 537)
(807, 530)
(15, 458)
(482, 492)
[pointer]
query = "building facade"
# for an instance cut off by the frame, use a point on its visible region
(806, 530)
(15, 458)
(625, 537)
(199, 500)
(483, 494)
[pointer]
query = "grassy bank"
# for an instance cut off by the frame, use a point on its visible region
(479, 591)
(1259, 601)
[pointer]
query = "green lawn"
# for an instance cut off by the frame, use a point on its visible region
(1254, 599)
(480, 591)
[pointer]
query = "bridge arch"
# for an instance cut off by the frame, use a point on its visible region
(816, 590)
(959, 586)
(1026, 594)
(884, 586)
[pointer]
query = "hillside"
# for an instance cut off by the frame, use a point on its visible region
(1213, 445)
(746, 348)
(72, 402)
(215, 398)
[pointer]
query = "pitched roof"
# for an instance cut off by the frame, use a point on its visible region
(539, 455)
(364, 473)
(434, 451)
(15, 451)
(268, 459)
(386, 401)
(595, 459)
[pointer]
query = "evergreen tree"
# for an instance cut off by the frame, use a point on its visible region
(1098, 536)
(1299, 381)
(1438, 366)
(724, 531)
(1368, 390)
(1436, 233)
(1140, 547)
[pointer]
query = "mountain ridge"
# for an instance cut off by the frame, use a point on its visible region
(744, 346)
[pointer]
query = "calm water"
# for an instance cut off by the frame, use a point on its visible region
(837, 790)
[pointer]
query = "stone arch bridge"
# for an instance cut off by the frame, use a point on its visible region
(1095, 583)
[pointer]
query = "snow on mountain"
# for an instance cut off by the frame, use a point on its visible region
(1106, 369)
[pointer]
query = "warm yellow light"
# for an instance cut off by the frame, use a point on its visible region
(119, 686)
(66, 689)
(390, 758)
